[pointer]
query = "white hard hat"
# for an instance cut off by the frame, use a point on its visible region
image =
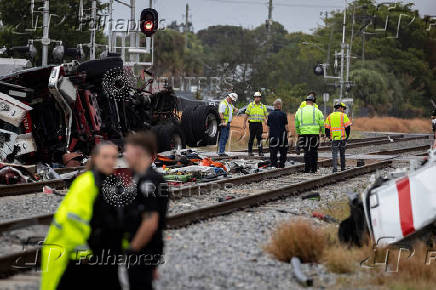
(257, 94)
(233, 96)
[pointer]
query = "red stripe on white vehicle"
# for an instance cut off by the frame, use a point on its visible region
(405, 205)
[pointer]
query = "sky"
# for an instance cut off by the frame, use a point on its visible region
(295, 15)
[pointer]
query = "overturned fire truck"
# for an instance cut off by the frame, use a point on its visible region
(48, 113)
(395, 209)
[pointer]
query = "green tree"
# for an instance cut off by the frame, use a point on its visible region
(64, 26)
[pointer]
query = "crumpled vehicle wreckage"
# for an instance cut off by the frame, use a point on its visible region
(396, 209)
(56, 114)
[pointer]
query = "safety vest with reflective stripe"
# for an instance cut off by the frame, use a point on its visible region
(256, 113)
(226, 112)
(337, 122)
(69, 232)
(303, 104)
(309, 120)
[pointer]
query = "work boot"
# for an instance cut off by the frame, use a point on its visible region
(261, 154)
(297, 150)
(250, 154)
(334, 170)
(223, 154)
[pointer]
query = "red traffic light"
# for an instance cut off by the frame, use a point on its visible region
(149, 21)
(148, 25)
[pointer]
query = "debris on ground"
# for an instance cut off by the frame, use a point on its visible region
(399, 207)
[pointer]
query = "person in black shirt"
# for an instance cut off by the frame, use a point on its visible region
(98, 270)
(433, 120)
(145, 216)
(278, 134)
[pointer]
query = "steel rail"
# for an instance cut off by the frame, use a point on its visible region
(202, 188)
(401, 150)
(186, 218)
(8, 262)
(29, 188)
(26, 188)
(377, 142)
(177, 193)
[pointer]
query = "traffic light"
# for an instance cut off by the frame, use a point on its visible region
(318, 70)
(149, 21)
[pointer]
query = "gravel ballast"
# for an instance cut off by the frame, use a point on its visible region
(226, 252)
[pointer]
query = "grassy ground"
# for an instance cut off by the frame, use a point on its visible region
(355, 266)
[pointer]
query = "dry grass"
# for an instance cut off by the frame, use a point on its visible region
(314, 245)
(374, 124)
(413, 272)
(390, 124)
(297, 238)
(340, 259)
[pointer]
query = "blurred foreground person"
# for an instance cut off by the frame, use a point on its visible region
(145, 217)
(309, 123)
(433, 121)
(226, 110)
(278, 134)
(338, 129)
(255, 113)
(85, 236)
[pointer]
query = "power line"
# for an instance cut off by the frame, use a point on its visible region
(301, 5)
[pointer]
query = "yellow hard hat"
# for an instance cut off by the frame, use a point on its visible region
(340, 104)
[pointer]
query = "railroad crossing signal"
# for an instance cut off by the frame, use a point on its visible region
(149, 21)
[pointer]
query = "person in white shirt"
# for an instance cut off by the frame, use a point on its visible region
(226, 110)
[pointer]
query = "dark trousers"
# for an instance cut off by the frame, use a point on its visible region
(309, 143)
(140, 277)
(338, 145)
(276, 145)
(256, 130)
(89, 276)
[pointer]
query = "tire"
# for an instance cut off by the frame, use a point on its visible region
(205, 125)
(95, 69)
(187, 125)
(169, 136)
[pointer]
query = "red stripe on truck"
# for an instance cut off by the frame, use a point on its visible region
(405, 205)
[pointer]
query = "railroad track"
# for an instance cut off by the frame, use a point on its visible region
(356, 143)
(14, 262)
(377, 142)
(401, 150)
(187, 218)
(177, 193)
(28, 188)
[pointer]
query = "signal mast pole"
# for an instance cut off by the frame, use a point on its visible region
(45, 32)
(341, 92)
(93, 28)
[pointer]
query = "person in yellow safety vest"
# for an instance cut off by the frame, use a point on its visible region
(85, 232)
(338, 128)
(309, 123)
(226, 110)
(303, 104)
(256, 113)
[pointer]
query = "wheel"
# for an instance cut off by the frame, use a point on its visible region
(201, 125)
(95, 69)
(169, 136)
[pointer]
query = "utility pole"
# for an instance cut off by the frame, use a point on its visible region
(186, 24)
(132, 29)
(110, 26)
(341, 92)
(45, 32)
(269, 23)
(93, 29)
